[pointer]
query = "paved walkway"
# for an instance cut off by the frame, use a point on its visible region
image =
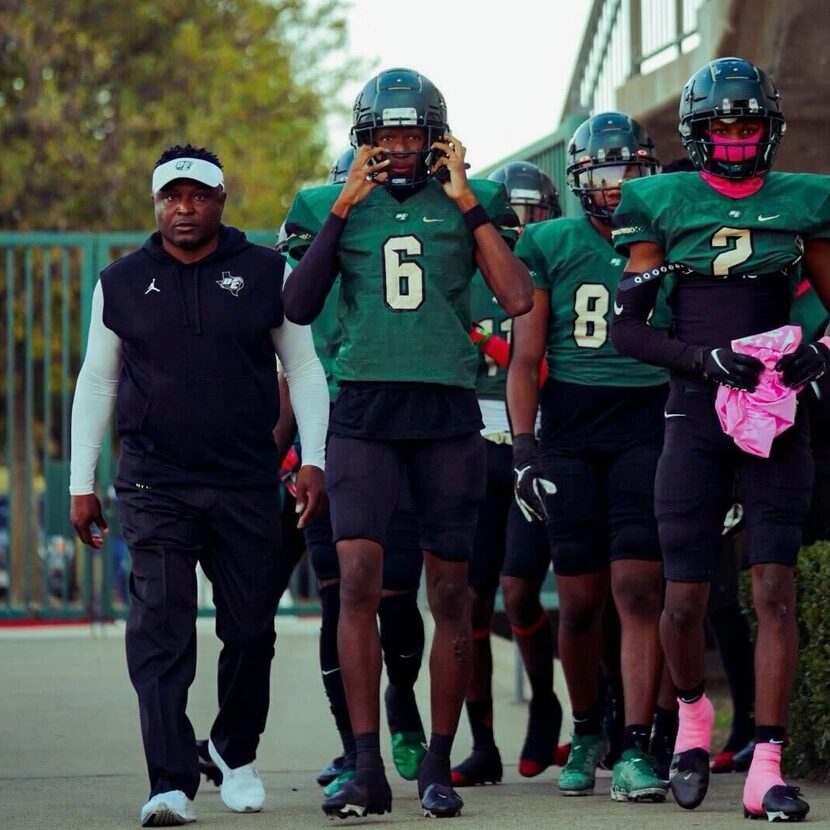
(70, 750)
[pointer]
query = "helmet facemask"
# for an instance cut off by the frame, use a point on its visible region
(592, 179)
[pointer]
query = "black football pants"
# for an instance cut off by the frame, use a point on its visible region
(235, 535)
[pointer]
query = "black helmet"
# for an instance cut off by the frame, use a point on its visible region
(530, 192)
(730, 88)
(400, 98)
(605, 149)
(340, 169)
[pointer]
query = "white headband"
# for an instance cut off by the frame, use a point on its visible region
(187, 168)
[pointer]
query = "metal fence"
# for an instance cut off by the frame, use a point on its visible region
(47, 290)
(624, 38)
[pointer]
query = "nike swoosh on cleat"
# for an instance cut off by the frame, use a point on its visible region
(674, 414)
(767, 218)
(427, 219)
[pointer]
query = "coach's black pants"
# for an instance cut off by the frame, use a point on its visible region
(234, 534)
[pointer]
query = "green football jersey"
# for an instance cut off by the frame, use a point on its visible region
(809, 313)
(715, 235)
(405, 273)
(580, 270)
(491, 318)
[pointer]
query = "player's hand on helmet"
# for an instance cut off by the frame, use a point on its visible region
(529, 485)
(807, 363)
(366, 173)
(311, 494)
(449, 154)
(728, 368)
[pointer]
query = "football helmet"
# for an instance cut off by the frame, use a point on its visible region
(340, 169)
(604, 150)
(530, 192)
(401, 98)
(729, 88)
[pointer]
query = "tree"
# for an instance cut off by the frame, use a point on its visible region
(91, 91)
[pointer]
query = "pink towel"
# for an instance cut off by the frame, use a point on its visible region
(753, 419)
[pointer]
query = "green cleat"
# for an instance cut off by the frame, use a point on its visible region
(408, 752)
(635, 779)
(338, 782)
(579, 775)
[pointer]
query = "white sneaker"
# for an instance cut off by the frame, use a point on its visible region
(241, 789)
(168, 809)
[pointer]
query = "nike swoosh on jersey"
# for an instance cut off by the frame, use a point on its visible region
(427, 219)
(767, 218)
(618, 309)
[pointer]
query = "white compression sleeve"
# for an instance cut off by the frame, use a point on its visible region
(307, 387)
(94, 398)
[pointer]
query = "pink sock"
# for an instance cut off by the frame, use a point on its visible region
(764, 772)
(694, 730)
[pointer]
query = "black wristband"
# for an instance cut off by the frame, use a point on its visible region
(475, 217)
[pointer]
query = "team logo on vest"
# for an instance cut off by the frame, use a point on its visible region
(231, 283)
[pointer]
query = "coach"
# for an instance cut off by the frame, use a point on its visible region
(182, 343)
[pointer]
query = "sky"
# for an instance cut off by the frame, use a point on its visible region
(504, 68)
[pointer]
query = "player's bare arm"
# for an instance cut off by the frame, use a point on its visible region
(527, 352)
(643, 256)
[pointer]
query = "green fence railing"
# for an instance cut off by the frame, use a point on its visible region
(47, 289)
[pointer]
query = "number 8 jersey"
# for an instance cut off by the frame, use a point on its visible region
(406, 268)
(572, 261)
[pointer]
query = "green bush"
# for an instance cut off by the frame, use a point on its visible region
(808, 755)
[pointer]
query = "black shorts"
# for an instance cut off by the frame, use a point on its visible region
(603, 509)
(505, 541)
(402, 559)
(447, 479)
(701, 469)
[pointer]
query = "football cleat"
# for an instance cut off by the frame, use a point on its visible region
(441, 801)
(579, 774)
(206, 765)
(331, 771)
(362, 796)
(634, 778)
(781, 803)
(689, 777)
(482, 767)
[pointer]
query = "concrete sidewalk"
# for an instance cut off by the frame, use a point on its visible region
(70, 749)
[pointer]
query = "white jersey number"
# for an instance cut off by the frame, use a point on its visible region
(742, 251)
(403, 279)
(591, 302)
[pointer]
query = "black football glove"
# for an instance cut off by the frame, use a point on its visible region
(529, 487)
(728, 368)
(807, 363)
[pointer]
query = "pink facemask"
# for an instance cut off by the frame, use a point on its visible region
(734, 151)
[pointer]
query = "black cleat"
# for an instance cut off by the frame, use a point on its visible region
(360, 797)
(206, 765)
(743, 757)
(689, 777)
(781, 803)
(330, 772)
(482, 767)
(441, 801)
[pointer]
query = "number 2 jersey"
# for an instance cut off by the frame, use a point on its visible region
(740, 253)
(595, 398)
(406, 269)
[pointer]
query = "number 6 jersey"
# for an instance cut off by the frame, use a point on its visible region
(572, 261)
(406, 268)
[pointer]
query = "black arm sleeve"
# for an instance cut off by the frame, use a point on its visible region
(632, 335)
(308, 285)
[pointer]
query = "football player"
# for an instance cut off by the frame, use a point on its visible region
(401, 626)
(601, 433)
(730, 234)
(502, 530)
(405, 232)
